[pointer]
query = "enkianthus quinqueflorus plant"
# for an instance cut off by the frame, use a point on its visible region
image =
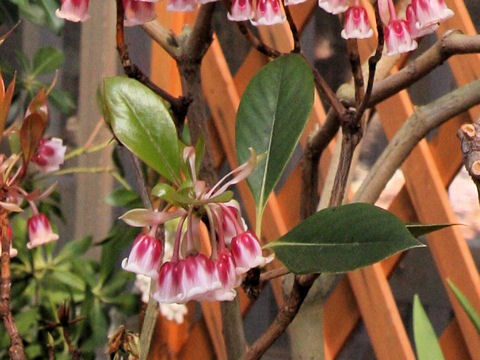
(205, 267)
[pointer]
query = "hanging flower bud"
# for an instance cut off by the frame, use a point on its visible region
(247, 253)
(333, 6)
(145, 256)
(241, 10)
(398, 38)
(356, 25)
(13, 251)
(73, 10)
(138, 12)
(227, 277)
(415, 32)
(49, 155)
(268, 12)
(181, 5)
(39, 231)
(430, 12)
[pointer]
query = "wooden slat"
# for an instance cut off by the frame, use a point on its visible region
(452, 344)
(431, 203)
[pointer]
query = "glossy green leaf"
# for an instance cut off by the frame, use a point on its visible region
(272, 114)
(47, 60)
(466, 305)
(342, 238)
(426, 341)
(141, 121)
(168, 193)
(424, 229)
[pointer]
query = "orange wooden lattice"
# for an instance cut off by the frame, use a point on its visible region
(364, 293)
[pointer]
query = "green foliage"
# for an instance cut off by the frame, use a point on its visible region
(341, 239)
(466, 305)
(426, 342)
(272, 114)
(424, 229)
(40, 12)
(141, 121)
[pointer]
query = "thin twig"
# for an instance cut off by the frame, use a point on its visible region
(76, 354)
(273, 274)
(372, 64)
(16, 350)
(354, 58)
(259, 45)
(293, 28)
(301, 286)
(324, 89)
(179, 105)
(163, 37)
(316, 144)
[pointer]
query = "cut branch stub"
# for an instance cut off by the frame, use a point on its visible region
(469, 135)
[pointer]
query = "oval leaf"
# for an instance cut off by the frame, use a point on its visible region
(47, 60)
(140, 120)
(342, 238)
(271, 117)
(425, 339)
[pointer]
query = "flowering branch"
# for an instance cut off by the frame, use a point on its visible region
(259, 45)
(179, 105)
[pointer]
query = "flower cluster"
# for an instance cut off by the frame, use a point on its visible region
(197, 269)
(422, 16)
(48, 157)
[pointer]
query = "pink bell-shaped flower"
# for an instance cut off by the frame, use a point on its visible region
(73, 10)
(138, 12)
(416, 32)
(49, 155)
(12, 251)
(268, 12)
(39, 231)
(398, 38)
(430, 12)
(145, 256)
(181, 5)
(356, 25)
(247, 253)
(166, 290)
(196, 277)
(228, 278)
(333, 6)
(241, 10)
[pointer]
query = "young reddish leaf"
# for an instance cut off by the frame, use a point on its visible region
(7, 34)
(38, 106)
(31, 132)
(5, 100)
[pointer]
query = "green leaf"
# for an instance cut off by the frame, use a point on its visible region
(423, 229)
(342, 238)
(466, 305)
(121, 197)
(169, 194)
(272, 114)
(425, 339)
(141, 121)
(71, 280)
(47, 60)
(73, 249)
(62, 100)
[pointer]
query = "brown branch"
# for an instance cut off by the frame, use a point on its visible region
(16, 349)
(354, 58)
(273, 274)
(424, 119)
(324, 89)
(301, 286)
(316, 144)
(179, 105)
(293, 29)
(258, 44)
